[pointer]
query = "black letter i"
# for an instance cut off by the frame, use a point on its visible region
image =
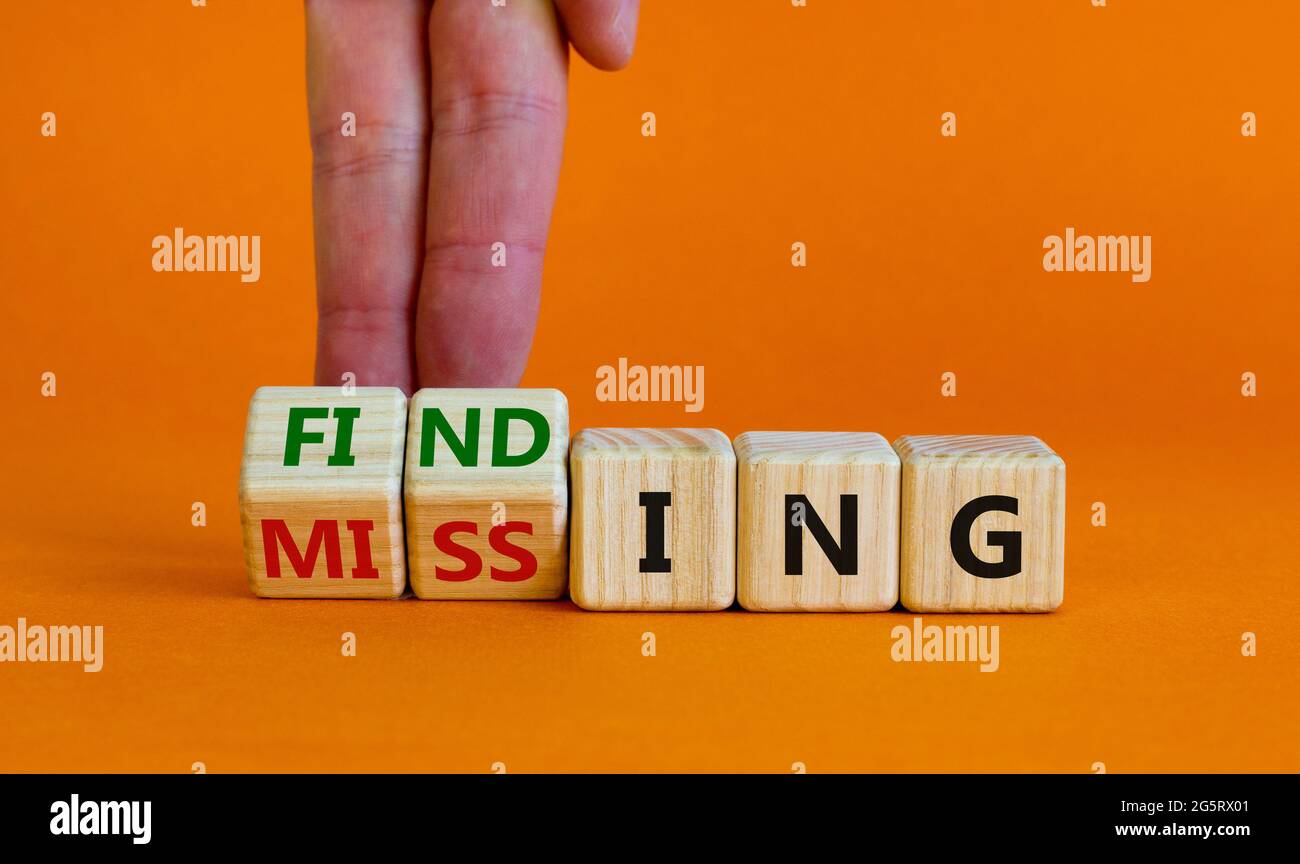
(656, 506)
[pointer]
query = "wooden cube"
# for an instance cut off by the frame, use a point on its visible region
(487, 494)
(818, 522)
(320, 492)
(654, 519)
(983, 524)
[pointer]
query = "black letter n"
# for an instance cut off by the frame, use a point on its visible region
(843, 556)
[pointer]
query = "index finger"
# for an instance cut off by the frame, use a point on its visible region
(367, 97)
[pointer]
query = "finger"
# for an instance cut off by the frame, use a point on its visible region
(603, 31)
(498, 80)
(370, 59)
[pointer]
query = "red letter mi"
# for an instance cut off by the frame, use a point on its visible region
(276, 536)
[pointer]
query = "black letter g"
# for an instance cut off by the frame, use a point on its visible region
(1008, 540)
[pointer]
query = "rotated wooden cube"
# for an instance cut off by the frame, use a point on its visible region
(320, 492)
(817, 522)
(654, 519)
(983, 524)
(487, 497)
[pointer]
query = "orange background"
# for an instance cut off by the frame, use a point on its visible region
(775, 124)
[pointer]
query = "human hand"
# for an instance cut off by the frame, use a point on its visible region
(460, 112)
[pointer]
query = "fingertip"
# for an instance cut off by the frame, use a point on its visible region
(602, 31)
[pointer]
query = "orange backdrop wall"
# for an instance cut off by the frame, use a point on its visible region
(775, 124)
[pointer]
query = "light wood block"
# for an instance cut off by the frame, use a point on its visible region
(622, 480)
(487, 512)
(320, 492)
(943, 476)
(818, 522)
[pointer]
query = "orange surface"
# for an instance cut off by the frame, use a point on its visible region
(775, 124)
